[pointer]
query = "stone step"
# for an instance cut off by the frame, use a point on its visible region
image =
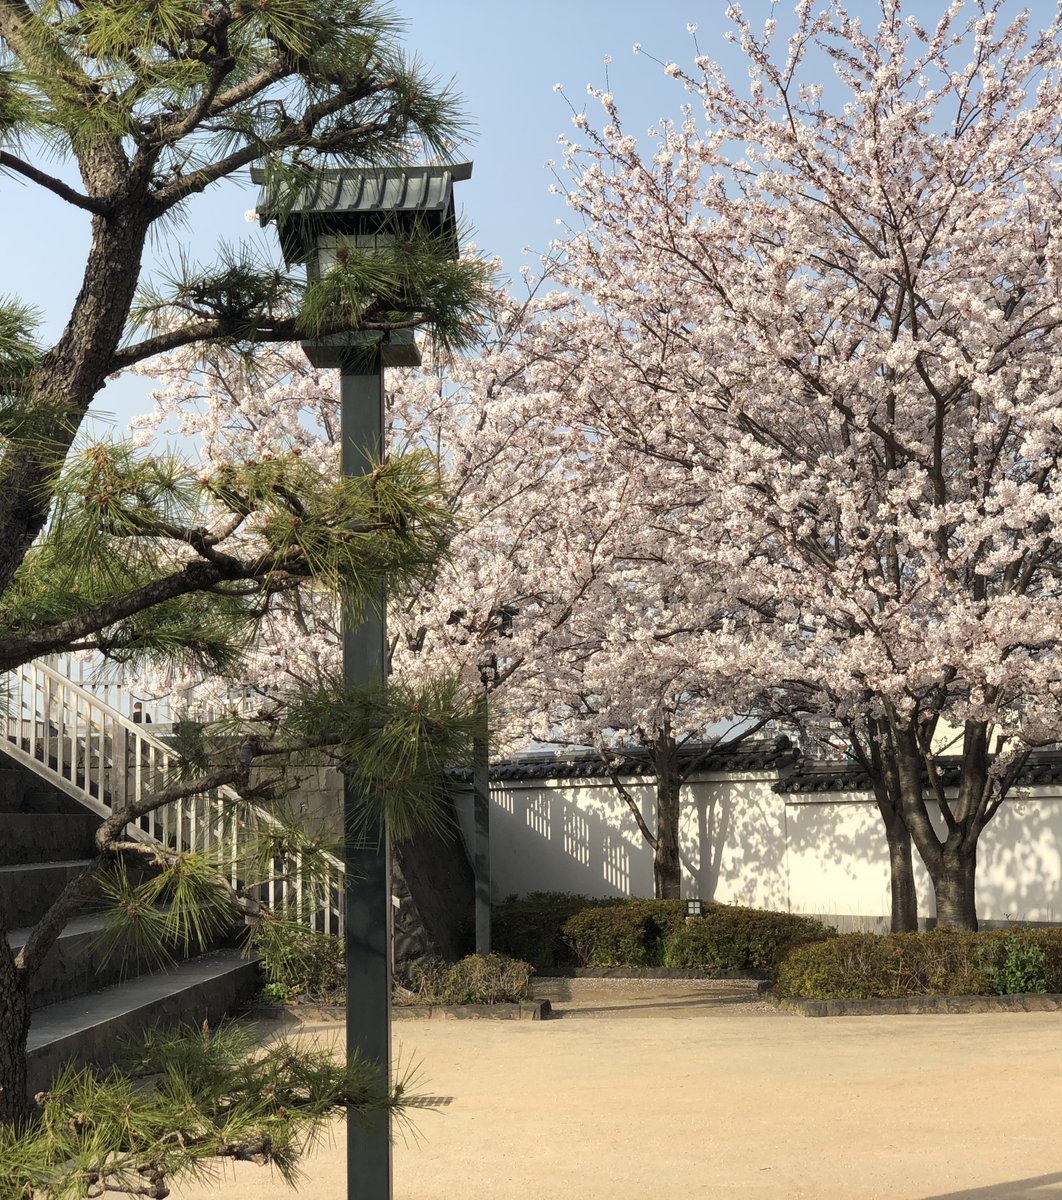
(43, 799)
(79, 963)
(27, 890)
(21, 791)
(90, 1028)
(13, 784)
(45, 837)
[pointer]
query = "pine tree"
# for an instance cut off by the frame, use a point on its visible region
(142, 558)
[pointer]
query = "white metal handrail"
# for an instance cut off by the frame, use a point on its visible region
(76, 741)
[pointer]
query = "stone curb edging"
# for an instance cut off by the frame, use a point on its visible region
(649, 973)
(529, 1010)
(918, 1005)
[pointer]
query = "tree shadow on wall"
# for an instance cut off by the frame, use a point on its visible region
(743, 843)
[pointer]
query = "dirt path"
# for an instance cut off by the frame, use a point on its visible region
(702, 1096)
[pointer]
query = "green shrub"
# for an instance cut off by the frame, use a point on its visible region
(275, 993)
(551, 929)
(531, 928)
(730, 937)
(475, 979)
(1019, 966)
(629, 934)
(860, 966)
(300, 964)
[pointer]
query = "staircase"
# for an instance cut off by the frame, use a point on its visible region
(67, 759)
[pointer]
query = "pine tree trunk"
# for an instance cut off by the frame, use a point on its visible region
(667, 869)
(71, 373)
(901, 881)
(954, 885)
(14, 1031)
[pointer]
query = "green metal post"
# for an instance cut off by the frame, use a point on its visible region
(481, 812)
(367, 900)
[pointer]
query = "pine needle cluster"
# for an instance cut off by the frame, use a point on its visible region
(179, 1105)
(146, 560)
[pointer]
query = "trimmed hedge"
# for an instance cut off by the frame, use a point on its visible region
(301, 965)
(865, 966)
(557, 930)
(532, 928)
(631, 934)
(729, 937)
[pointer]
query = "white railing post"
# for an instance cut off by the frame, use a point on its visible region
(58, 728)
(119, 766)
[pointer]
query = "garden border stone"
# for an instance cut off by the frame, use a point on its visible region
(528, 1010)
(918, 1005)
(650, 973)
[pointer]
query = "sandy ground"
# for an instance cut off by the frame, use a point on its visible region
(646, 1091)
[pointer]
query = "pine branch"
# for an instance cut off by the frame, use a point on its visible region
(268, 332)
(62, 190)
(80, 891)
(180, 124)
(31, 644)
(298, 133)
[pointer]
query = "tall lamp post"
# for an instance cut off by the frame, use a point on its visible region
(341, 211)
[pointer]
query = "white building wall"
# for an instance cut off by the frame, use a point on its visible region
(743, 843)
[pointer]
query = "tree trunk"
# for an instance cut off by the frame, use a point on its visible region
(14, 1030)
(667, 870)
(954, 885)
(885, 778)
(901, 880)
(69, 376)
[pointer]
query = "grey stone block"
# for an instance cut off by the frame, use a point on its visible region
(77, 963)
(27, 890)
(45, 837)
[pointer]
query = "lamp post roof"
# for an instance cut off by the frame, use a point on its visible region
(355, 199)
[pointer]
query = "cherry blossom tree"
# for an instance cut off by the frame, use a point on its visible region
(500, 455)
(645, 669)
(564, 592)
(825, 311)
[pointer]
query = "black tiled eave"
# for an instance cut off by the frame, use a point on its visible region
(756, 756)
(1042, 770)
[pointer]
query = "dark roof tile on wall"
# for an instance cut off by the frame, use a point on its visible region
(750, 756)
(1043, 769)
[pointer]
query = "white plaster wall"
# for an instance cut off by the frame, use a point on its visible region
(576, 838)
(742, 843)
(1019, 866)
(581, 837)
(733, 845)
(838, 859)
